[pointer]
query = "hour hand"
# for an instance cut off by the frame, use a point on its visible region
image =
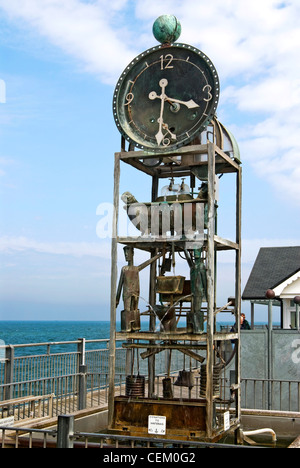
(189, 104)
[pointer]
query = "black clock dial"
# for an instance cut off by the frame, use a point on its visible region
(165, 97)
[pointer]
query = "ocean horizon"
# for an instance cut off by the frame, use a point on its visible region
(14, 332)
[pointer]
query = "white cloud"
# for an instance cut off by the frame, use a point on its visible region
(74, 249)
(82, 30)
(254, 46)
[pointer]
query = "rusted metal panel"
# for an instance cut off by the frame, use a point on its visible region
(183, 417)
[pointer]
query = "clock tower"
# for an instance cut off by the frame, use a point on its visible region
(164, 106)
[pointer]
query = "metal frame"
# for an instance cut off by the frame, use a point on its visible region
(184, 158)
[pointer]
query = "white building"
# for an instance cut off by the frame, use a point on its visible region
(277, 269)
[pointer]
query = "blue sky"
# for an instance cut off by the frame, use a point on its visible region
(59, 63)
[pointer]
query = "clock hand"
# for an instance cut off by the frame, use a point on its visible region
(159, 136)
(153, 95)
(189, 104)
(163, 83)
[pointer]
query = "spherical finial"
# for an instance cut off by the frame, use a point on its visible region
(270, 294)
(297, 299)
(166, 29)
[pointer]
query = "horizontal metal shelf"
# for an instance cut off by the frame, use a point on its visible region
(150, 244)
(174, 336)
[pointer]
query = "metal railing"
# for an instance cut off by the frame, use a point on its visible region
(280, 395)
(76, 386)
(65, 437)
(77, 378)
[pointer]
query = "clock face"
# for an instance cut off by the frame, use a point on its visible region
(165, 97)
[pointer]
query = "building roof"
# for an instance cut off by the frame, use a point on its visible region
(272, 266)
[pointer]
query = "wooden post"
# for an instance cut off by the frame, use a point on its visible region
(152, 296)
(114, 272)
(238, 292)
(50, 405)
(210, 289)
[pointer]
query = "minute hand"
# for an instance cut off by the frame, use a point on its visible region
(189, 104)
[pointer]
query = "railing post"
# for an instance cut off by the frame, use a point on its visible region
(81, 352)
(65, 431)
(82, 387)
(82, 370)
(9, 372)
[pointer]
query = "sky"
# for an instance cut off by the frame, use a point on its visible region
(59, 63)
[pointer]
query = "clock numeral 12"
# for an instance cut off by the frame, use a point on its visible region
(169, 59)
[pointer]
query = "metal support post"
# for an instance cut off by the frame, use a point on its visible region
(297, 317)
(65, 431)
(81, 351)
(152, 301)
(252, 315)
(82, 387)
(9, 372)
(210, 289)
(82, 369)
(113, 290)
(270, 371)
(238, 301)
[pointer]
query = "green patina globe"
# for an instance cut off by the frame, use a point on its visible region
(166, 29)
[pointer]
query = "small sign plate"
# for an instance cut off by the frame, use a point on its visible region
(156, 425)
(226, 421)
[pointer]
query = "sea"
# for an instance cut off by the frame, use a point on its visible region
(25, 332)
(42, 338)
(19, 332)
(29, 332)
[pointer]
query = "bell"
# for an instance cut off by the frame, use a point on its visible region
(185, 379)
(167, 388)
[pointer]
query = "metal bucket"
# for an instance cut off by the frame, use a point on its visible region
(170, 284)
(167, 388)
(135, 386)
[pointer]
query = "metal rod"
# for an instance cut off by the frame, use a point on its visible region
(270, 327)
(238, 295)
